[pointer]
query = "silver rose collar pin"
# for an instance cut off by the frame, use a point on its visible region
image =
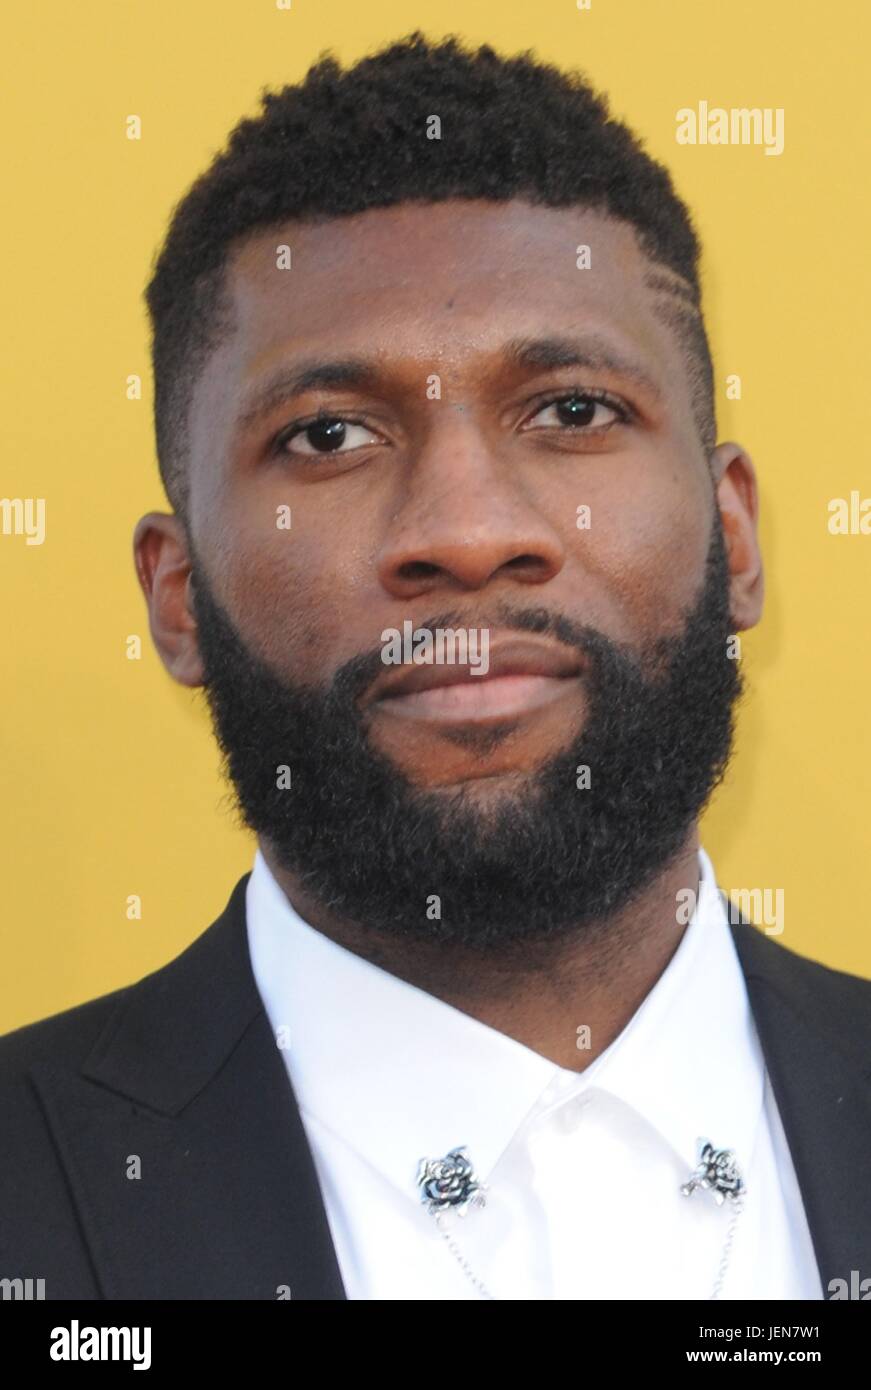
(449, 1183)
(716, 1171)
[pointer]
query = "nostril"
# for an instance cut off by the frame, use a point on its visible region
(417, 569)
(528, 564)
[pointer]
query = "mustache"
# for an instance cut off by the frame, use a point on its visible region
(355, 676)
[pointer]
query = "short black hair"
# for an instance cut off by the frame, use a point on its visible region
(343, 141)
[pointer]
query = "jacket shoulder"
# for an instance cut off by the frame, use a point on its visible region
(69, 1035)
(770, 950)
(817, 992)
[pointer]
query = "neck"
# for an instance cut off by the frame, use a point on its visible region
(540, 994)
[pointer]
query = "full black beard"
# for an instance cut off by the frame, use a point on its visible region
(538, 865)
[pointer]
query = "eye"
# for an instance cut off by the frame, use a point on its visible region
(325, 434)
(587, 410)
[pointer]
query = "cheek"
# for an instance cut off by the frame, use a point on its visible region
(646, 544)
(300, 594)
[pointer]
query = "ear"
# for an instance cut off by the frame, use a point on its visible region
(738, 502)
(163, 566)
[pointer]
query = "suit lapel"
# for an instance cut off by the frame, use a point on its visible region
(187, 1089)
(815, 1029)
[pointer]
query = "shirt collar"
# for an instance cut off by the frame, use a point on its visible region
(399, 1075)
(689, 1059)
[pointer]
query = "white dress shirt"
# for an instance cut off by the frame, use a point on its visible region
(582, 1169)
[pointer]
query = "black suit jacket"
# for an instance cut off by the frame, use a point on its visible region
(182, 1071)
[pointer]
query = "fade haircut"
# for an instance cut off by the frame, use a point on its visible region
(343, 141)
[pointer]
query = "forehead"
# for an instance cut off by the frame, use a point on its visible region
(437, 286)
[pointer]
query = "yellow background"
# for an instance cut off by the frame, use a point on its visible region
(112, 780)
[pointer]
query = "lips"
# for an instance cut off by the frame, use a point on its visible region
(522, 675)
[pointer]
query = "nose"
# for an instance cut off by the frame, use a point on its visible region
(466, 518)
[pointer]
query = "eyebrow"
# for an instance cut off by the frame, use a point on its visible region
(312, 375)
(526, 354)
(593, 353)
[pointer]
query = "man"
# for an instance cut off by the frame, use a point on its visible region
(460, 565)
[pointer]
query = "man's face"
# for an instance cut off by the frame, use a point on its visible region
(448, 492)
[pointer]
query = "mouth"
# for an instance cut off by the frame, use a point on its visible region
(522, 677)
(502, 697)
